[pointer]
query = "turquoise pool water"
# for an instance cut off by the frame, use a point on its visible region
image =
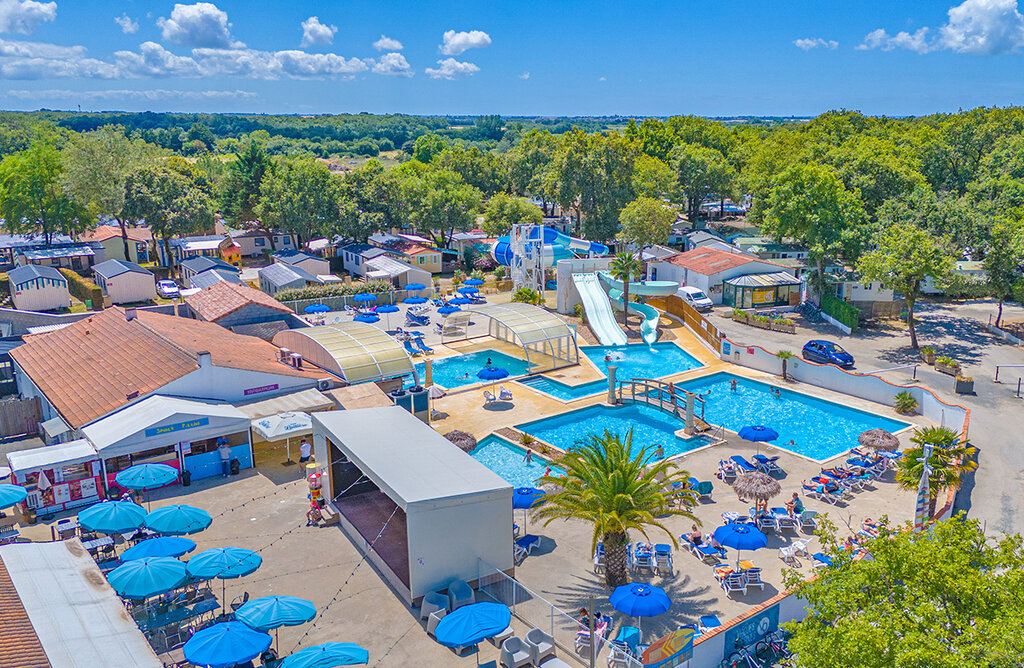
(507, 461)
(651, 427)
(821, 429)
(452, 371)
(636, 360)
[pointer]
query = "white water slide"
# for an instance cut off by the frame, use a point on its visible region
(600, 316)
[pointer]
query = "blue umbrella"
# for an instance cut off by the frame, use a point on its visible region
(414, 300)
(472, 624)
(365, 298)
(226, 644)
(163, 546)
(758, 434)
(366, 317)
(492, 373)
(467, 289)
(472, 282)
(224, 563)
(460, 301)
(640, 600)
(740, 537)
(11, 494)
(317, 308)
(527, 497)
(149, 576)
(413, 287)
(448, 310)
(270, 612)
(112, 517)
(146, 476)
(327, 655)
(387, 308)
(178, 520)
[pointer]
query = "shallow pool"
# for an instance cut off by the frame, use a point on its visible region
(820, 429)
(651, 427)
(636, 360)
(508, 461)
(460, 370)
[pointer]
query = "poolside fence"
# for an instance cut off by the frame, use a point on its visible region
(340, 303)
(697, 323)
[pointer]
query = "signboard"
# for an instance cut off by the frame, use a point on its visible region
(259, 390)
(763, 296)
(180, 426)
(726, 347)
(670, 650)
(749, 631)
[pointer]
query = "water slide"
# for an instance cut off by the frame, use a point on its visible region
(555, 246)
(600, 316)
(650, 315)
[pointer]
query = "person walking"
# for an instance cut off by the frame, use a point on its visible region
(305, 451)
(225, 456)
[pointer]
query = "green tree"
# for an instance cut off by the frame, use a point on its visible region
(702, 172)
(785, 356)
(503, 211)
(948, 597)
(32, 197)
(302, 197)
(625, 267)
(441, 203)
(877, 169)
(653, 178)
(428, 147)
(617, 488)
(951, 458)
(1003, 262)
(482, 170)
(376, 193)
(903, 257)
(645, 222)
(241, 191)
(811, 204)
(527, 163)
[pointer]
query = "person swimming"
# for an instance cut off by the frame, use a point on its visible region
(776, 392)
(733, 384)
(529, 456)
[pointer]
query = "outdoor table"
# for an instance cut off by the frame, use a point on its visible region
(138, 534)
(8, 536)
(96, 545)
(64, 529)
(178, 615)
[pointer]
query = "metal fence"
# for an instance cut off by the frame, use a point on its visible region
(340, 303)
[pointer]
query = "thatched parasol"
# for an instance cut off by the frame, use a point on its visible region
(464, 440)
(756, 485)
(879, 439)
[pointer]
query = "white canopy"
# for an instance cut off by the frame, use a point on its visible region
(24, 462)
(283, 425)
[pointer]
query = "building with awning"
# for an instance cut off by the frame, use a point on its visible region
(355, 351)
(547, 341)
(270, 446)
(71, 472)
(778, 288)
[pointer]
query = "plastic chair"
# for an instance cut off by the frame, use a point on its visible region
(432, 601)
(541, 645)
(434, 619)
(514, 653)
(460, 594)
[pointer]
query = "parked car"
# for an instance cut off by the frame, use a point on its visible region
(695, 297)
(167, 289)
(827, 352)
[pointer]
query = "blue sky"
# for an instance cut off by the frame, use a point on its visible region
(563, 57)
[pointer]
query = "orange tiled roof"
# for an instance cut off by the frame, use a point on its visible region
(223, 298)
(710, 261)
(414, 249)
(19, 644)
(104, 232)
(90, 368)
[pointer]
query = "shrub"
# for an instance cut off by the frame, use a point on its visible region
(84, 289)
(484, 263)
(500, 272)
(905, 403)
(527, 439)
(335, 290)
(478, 274)
(5, 285)
(578, 310)
(927, 350)
(844, 312)
(947, 361)
(527, 296)
(458, 277)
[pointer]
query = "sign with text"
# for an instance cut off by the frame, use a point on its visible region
(259, 390)
(749, 631)
(180, 426)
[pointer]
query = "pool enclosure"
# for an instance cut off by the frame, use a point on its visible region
(547, 340)
(355, 351)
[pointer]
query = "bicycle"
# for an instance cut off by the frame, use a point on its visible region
(772, 648)
(744, 659)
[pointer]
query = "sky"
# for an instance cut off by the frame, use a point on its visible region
(547, 58)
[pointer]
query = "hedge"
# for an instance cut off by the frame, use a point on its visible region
(844, 312)
(83, 289)
(335, 290)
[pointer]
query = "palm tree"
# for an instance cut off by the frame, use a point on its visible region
(625, 267)
(784, 355)
(618, 489)
(951, 458)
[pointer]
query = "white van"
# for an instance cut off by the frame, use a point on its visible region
(695, 297)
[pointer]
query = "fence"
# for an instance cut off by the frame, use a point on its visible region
(340, 303)
(844, 312)
(700, 325)
(20, 416)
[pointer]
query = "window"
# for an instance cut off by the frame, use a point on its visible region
(260, 241)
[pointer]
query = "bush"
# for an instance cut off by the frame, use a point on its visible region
(527, 296)
(500, 272)
(484, 263)
(335, 290)
(5, 286)
(927, 350)
(578, 310)
(84, 289)
(947, 361)
(844, 312)
(905, 403)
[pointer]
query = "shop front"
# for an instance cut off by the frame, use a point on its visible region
(58, 477)
(762, 290)
(183, 433)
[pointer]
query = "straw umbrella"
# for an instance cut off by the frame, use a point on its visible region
(757, 486)
(879, 439)
(465, 441)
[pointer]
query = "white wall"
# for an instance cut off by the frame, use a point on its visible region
(225, 384)
(131, 287)
(566, 292)
(31, 297)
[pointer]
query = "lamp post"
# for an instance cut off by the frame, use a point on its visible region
(923, 495)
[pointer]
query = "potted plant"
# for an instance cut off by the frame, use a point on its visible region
(739, 315)
(905, 403)
(947, 365)
(928, 355)
(784, 325)
(963, 384)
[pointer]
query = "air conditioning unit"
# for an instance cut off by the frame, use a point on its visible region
(324, 384)
(296, 360)
(284, 355)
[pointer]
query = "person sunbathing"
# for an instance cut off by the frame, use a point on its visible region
(838, 472)
(870, 527)
(695, 536)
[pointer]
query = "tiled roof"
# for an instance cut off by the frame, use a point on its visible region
(263, 330)
(414, 249)
(104, 232)
(224, 298)
(90, 367)
(19, 644)
(710, 261)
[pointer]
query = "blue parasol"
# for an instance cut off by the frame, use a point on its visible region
(472, 624)
(178, 520)
(386, 308)
(162, 546)
(472, 282)
(223, 562)
(146, 476)
(740, 537)
(317, 308)
(413, 287)
(415, 300)
(112, 517)
(270, 612)
(460, 301)
(11, 495)
(327, 655)
(467, 289)
(149, 576)
(492, 373)
(758, 434)
(226, 644)
(448, 310)
(527, 497)
(365, 298)
(366, 317)
(640, 600)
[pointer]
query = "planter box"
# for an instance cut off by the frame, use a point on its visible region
(929, 358)
(950, 370)
(961, 386)
(789, 328)
(761, 324)
(741, 317)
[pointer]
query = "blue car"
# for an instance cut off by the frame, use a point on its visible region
(827, 352)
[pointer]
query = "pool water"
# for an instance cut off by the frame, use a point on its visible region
(821, 429)
(651, 427)
(450, 372)
(507, 461)
(636, 360)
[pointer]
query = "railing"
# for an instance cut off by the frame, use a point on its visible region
(697, 323)
(898, 368)
(666, 396)
(1010, 366)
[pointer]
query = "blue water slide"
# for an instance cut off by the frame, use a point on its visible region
(555, 246)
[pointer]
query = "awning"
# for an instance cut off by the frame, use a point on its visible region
(24, 462)
(158, 421)
(283, 426)
(54, 427)
(305, 400)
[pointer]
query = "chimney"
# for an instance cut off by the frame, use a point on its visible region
(296, 360)
(284, 355)
(204, 359)
(129, 314)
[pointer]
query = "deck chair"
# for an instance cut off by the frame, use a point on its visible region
(703, 490)
(708, 623)
(503, 394)
(734, 582)
(742, 463)
(418, 342)
(807, 519)
(409, 349)
(629, 637)
(767, 464)
(489, 397)
(752, 578)
(460, 594)
(524, 546)
(663, 558)
(821, 560)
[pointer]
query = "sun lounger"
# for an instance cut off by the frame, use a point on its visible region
(525, 546)
(734, 582)
(489, 397)
(663, 557)
(643, 558)
(818, 492)
(726, 471)
(742, 464)
(504, 394)
(705, 553)
(418, 342)
(822, 560)
(752, 578)
(628, 637)
(702, 489)
(708, 623)
(767, 464)
(807, 520)
(409, 349)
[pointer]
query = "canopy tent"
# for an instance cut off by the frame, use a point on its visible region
(307, 401)
(355, 351)
(547, 340)
(35, 460)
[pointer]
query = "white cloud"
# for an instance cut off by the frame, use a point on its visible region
(40, 60)
(393, 64)
(24, 16)
(302, 65)
(524, 76)
(459, 42)
(131, 94)
(201, 25)
(808, 43)
(386, 43)
(153, 60)
(314, 32)
(10, 48)
(128, 25)
(602, 79)
(449, 68)
(977, 27)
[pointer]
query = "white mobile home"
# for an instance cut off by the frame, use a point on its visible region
(37, 287)
(125, 282)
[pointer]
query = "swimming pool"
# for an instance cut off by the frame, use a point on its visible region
(821, 429)
(460, 370)
(636, 360)
(651, 427)
(507, 461)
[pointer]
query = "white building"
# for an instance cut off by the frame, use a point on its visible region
(355, 256)
(254, 243)
(36, 287)
(707, 268)
(317, 266)
(125, 282)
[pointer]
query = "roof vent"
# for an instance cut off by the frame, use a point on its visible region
(129, 314)
(204, 359)
(296, 360)
(284, 355)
